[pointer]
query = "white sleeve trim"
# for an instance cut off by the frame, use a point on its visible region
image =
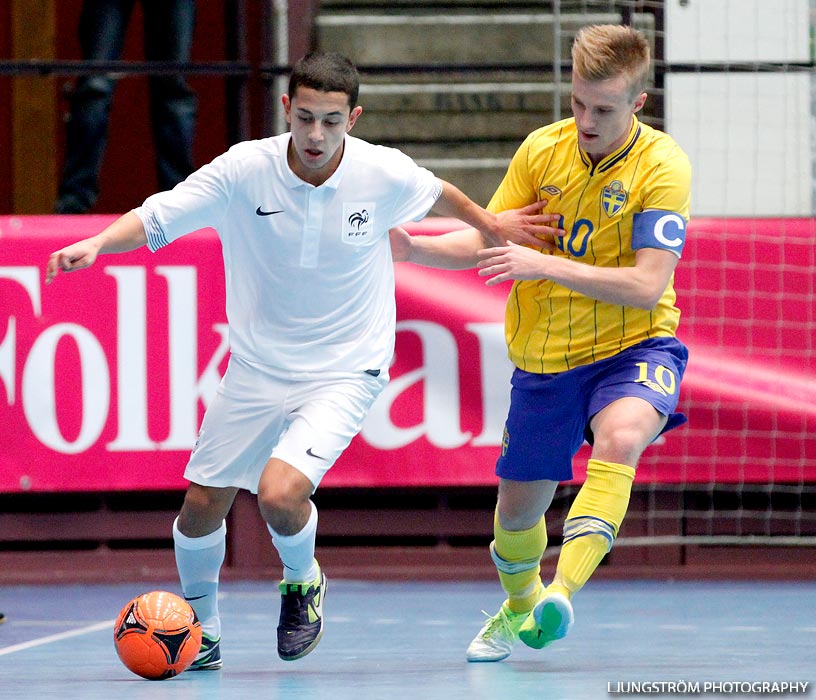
(156, 237)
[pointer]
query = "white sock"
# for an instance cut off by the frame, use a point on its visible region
(199, 560)
(297, 552)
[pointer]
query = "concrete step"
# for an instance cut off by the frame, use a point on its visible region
(497, 152)
(446, 112)
(457, 85)
(453, 36)
(566, 6)
(402, 5)
(447, 126)
(477, 178)
(476, 168)
(474, 96)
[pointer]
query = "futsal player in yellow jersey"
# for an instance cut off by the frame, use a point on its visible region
(552, 327)
(590, 327)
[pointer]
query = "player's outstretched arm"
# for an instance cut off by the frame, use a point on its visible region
(640, 286)
(456, 250)
(524, 226)
(124, 234)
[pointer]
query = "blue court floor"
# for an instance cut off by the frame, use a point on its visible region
(395, 641)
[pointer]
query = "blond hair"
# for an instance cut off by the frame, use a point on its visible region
(604, 51)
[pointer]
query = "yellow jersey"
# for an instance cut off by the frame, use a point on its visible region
(634, 198)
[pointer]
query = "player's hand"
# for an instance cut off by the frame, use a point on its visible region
(511, 262)
(528, 226)
(400, 244)
(73, 257)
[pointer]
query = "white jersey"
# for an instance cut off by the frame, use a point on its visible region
(309, 273)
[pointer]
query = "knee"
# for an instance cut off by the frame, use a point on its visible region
(203, 510)
(273, 499)
(95, 87)
(283, 507)
(284, 496)
(517, 520)
(516, 517)
(521, 504)
(621, 444)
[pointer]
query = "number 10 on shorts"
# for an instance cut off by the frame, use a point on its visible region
(661, 381)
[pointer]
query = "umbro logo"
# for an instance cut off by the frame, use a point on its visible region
(261, 212)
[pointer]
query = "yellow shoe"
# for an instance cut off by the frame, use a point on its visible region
(497, 637)
(551, 619)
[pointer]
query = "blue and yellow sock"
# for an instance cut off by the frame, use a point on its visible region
(517, 555)
(592, 524)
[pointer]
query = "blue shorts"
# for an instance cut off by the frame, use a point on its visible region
(549, 414)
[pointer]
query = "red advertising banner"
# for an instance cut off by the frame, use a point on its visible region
(105, 374)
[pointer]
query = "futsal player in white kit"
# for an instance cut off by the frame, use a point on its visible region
(303, 219)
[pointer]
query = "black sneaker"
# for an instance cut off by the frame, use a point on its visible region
(301, 617)
(209, 655)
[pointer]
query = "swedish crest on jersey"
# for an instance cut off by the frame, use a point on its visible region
(505, 443)
(613, 197)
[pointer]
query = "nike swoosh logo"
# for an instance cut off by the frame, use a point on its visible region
(196, 597)
(261, 212)
(312, 454)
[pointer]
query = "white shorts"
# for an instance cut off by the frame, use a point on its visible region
(258, 414)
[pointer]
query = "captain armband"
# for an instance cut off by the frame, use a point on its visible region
(656, 228)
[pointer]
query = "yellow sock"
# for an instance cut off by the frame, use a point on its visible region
(592, 524)
(517, 555)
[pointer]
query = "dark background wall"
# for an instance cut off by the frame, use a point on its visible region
(33, 107)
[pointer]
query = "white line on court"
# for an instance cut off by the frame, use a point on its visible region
(107, 624)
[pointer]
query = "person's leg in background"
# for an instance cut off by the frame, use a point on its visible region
(102, 27)
(168, 28)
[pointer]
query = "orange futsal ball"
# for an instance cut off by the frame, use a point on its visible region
(157, 635)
